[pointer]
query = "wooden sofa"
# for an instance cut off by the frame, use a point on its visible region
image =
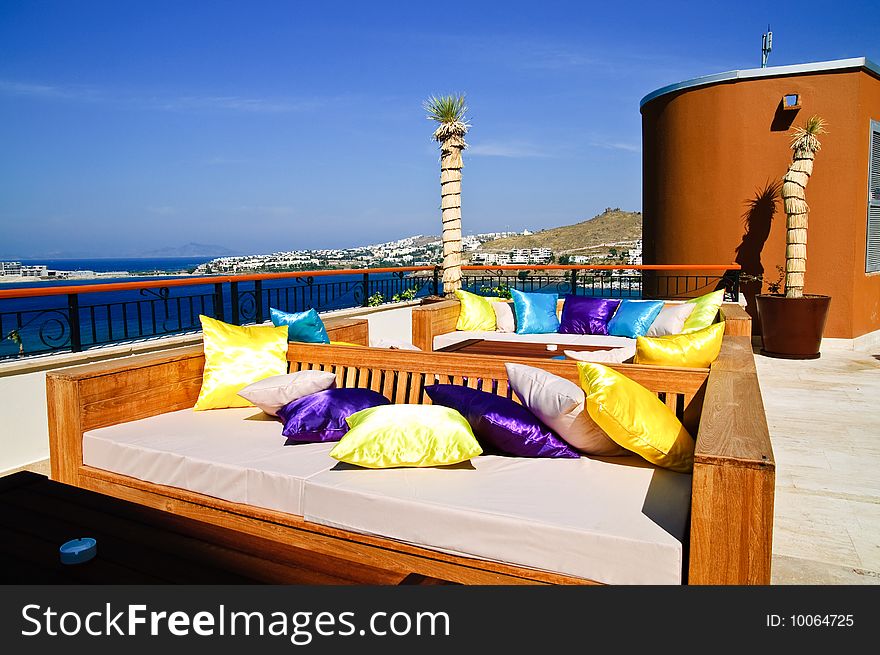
(730, 532)
(431, 320)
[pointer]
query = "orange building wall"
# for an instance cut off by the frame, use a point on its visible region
(709, 152)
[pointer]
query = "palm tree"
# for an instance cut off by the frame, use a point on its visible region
(449, 112)
(805, 145)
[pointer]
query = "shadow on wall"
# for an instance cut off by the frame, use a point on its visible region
(757, 220)
(783, 118)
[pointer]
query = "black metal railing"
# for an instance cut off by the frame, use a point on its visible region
(606, 283)
(44, 320)
(50, 319)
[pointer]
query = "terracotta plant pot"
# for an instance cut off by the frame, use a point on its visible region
(792, 327)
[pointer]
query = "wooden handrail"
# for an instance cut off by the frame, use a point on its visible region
(604, 267)
(192, 281)
(35, 292)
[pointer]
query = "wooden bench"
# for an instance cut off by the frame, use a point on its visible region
(431, 320)
(733, 481)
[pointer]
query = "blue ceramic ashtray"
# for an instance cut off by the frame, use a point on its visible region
(78, 551)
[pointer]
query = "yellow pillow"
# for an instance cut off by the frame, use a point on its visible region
(406, 435)
(344, 343)
(635, 418)
(704, 313)
(696, 349)
(477, 313)
(236, 357)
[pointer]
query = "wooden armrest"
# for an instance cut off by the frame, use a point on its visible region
(737, 322)
(734, 475)
(352, 330)
(83, 398)
(432, 319)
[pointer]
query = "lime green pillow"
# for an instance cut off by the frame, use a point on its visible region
(696, 349)
(635, 418)
(406, 435)
(477, 313)
(704, 313)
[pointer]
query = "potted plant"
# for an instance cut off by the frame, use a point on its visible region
(792, 323)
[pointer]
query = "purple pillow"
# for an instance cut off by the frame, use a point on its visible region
(321, 416)
(500, 423)
(586, 315)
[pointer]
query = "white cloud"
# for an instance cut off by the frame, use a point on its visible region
(612, 145)
(24, 89)
(235, 103)
(232, 103)
(512, 149)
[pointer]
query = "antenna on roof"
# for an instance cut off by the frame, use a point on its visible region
(766, 46)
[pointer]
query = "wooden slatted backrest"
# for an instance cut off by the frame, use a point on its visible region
(401, 375)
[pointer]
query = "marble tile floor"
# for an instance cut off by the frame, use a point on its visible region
(824, 420)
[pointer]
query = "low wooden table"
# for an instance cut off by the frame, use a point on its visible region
(140, 545)
(514, 348)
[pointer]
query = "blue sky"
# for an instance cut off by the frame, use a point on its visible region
(264, 126)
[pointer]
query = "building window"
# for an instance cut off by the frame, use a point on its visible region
(872, 251)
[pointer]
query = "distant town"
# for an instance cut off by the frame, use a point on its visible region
(419, 250)
(18, 272)
(423, 250)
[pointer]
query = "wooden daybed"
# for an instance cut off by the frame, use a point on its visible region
(437, 318)
(730, 525)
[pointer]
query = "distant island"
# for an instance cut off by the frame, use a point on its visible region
(190, 250)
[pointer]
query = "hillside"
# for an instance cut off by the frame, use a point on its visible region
(610, 226)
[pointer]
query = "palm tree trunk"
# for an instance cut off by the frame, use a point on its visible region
(794, 186)
(450, 205)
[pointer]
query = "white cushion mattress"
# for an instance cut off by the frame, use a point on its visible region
(615, 520)
(618, 520)
(443, 340)
(234, 454)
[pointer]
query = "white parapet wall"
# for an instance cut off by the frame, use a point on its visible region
(24, 422)
(25, 433)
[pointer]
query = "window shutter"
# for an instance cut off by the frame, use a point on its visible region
(872, 251)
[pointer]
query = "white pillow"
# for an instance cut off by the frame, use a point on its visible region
(504, 317)
(620, 355)
(670, 320)
(559, 404)
(394, 344)
(272, 393)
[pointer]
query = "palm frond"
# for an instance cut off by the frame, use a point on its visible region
(446, 109)
(806, 137)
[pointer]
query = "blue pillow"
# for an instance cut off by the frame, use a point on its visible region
(633, 318)
(301, 326)
(535, 312)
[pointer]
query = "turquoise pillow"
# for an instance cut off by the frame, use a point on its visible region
(535, 312)
(301, 326)
(633, 318)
